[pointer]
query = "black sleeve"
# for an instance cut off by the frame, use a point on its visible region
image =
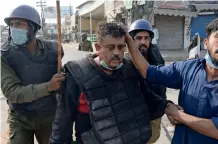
(66, 113)
(156, 104)
(79, 47)
(159, 90)
(155, 57)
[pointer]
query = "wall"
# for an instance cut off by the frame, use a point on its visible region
(171, 32)
(85, 25)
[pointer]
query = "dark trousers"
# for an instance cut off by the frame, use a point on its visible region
(22, 129)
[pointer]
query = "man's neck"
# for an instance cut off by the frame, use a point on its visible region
(97, 61)
(32, 46)
(212, 73)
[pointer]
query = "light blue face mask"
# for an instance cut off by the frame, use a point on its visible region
(19, 36)
(209, 61)
(104, 64)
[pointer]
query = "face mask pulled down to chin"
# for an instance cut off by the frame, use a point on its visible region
(210, 61)
(106, 66)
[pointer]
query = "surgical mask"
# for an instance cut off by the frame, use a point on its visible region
(19, 36)
(209, 61)
(104, 64)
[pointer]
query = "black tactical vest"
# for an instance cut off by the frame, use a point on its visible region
(118, 110)
(33, 70)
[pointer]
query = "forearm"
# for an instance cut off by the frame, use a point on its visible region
(21, 94)
(201, 125)
(139, 61)
(14, 91)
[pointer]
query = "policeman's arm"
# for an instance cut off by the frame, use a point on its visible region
(13, 89)
(62, 128)
(90, 47)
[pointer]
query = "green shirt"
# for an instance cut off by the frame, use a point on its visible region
(13, 89)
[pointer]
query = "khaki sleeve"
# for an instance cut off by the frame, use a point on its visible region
(13, 89)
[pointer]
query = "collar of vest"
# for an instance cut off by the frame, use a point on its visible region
(36, 58)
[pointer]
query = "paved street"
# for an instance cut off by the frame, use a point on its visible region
(72, 54)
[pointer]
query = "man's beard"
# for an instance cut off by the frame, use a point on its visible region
(144, 50)
(214, 60)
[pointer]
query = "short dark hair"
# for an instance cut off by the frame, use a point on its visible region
(212, 27)
(114, 29)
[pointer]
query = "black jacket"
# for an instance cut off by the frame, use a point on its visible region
(67, 112)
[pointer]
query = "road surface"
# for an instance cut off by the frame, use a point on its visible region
(71, 53)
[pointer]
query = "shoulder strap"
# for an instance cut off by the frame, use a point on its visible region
(129, 70)
(81, 71)
(52, 44)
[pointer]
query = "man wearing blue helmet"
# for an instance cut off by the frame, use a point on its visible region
(142, 34)
(28, 78)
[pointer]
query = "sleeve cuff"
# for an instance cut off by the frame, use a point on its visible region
(42, 90)
(215, 121)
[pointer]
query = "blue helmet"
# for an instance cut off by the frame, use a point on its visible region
(141, 25)
(25, 12)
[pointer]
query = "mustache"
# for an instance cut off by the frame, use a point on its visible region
(115, 57)
(143, 48)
